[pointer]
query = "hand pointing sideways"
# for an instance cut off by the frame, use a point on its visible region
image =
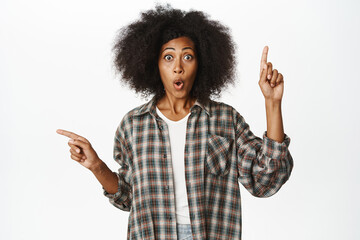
(81, 150)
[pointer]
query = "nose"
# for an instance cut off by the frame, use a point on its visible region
(178, 67)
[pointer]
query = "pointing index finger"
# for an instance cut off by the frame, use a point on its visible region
(67, 133)
(264, 57)
(72, 135)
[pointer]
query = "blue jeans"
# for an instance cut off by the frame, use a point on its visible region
(184, 231)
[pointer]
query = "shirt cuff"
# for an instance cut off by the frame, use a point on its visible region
(274, 149)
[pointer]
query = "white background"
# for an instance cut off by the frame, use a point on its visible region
(56, 72)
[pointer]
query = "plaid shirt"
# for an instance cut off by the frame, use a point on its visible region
(220, 151)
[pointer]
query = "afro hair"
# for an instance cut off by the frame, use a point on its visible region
(137, 45)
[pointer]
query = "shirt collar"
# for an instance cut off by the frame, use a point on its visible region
(151, 108)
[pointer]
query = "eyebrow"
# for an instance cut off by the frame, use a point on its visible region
(174, 48)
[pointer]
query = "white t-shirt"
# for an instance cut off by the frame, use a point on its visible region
(177, 134)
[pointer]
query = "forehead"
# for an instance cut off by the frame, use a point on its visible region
(179, 42)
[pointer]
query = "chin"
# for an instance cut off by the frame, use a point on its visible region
(181, 95)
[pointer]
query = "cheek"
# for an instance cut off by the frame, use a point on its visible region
(194, 69)
(164, 74)
(164, 69)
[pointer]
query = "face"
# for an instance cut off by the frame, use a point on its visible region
(178, 65)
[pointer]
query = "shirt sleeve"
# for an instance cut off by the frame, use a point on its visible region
(123, 197)
(264, 165)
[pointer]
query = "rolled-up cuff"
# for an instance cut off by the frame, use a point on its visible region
(274, 149)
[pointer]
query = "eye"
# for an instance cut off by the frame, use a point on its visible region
(188, 57)
(168, 57)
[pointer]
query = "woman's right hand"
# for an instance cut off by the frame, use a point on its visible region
(81, 150)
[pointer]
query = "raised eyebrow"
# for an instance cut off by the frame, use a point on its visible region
(182, 49)
(188, 48)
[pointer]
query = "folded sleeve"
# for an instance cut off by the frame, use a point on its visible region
(263, 165)
(122, 155)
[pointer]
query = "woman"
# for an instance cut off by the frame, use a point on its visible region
(183, 154)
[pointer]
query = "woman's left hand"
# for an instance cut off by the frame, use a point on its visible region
(271, 81)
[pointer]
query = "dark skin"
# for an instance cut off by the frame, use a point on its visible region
(177, 60)
(272, 86)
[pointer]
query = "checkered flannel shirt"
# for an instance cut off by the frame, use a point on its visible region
(220, 152)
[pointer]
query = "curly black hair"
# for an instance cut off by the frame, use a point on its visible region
(137, 46)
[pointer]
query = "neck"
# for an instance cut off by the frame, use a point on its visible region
(176, 105)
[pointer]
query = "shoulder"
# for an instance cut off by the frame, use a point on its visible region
(135, 111)
(217, 104)
(127, 120)
(225, 113)
(142, 109)
(218, 109)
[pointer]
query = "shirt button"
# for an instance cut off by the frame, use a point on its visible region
(170, 218)
(164, 155)
(167, 187)
(160, 127)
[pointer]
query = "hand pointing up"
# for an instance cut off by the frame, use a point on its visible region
(271, 81)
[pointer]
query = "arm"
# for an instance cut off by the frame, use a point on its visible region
(107, 178)
(272, 86)
(275, 129)
(264, 165)
(120, 195)
(116, 186)
(82, 152)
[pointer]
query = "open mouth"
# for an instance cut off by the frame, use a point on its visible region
(178, 84)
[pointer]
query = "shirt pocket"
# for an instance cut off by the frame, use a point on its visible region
(218, 160)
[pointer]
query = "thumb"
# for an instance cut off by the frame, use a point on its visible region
(79, 143)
